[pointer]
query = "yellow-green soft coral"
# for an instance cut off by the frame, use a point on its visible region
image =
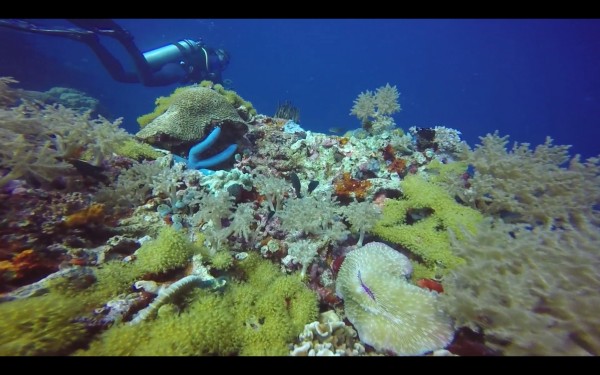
(41, 326)
(235, 100)
(222, 260)
(273, 307)
(137, 150)
(169, 251)
(420, 221)
(258, 315)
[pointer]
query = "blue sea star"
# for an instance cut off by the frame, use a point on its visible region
(195, 162)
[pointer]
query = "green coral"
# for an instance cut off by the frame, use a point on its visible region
(273, 307)
(222, 260)
(440, 173)
(40, 326)
(420, 221)
(256, 315)
(169, 251)
(137, 150)
(235, 100)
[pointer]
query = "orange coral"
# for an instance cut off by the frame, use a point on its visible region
(90, 215)
(349, 187)
(397, 165)
(21, 264)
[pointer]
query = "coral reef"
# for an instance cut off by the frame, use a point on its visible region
(37, 143)
(169, 251)
(126, 251)
(47, 327)
(258, 316)
(328, 336)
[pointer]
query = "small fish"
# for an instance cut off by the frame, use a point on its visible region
(430, 284)
(312, 186)
(366, 288)
(336, 130)
(90, 170)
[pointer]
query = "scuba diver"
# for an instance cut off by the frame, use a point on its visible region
(185, 61)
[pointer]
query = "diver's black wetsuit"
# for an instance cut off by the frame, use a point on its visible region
(201, 64)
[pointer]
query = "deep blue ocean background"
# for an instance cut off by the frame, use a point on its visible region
(525, 78)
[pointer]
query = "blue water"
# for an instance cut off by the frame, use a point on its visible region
(525, 78)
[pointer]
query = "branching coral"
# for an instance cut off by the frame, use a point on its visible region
(541, 186)
(362, 216)
(7, 94)
(132, 187)
(244, 223)
(530, 291)
(36, 142)
(274, 189)
(303, 252)
(314, 216)
(371, 105)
